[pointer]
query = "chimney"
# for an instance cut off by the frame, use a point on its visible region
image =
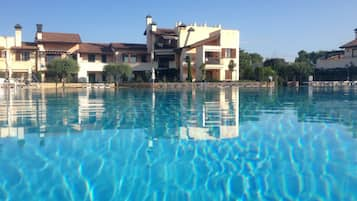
(153, 27)
(18, 35)
(148, 20)
(39, 32)
(356, 33)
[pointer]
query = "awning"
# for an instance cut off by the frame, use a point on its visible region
(142, 67)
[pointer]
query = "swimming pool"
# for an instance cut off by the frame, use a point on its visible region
(203, 144)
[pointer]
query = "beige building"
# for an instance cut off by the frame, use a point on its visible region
(53, 45)
(136, 56)
(17, 58)
(91, 58)
(164, 57)
(341, 59)
(209, 46)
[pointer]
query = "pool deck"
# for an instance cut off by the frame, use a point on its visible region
(333, 83)
(145, 85)
(198, 84)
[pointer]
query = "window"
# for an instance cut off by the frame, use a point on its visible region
(104, 58)
(125, 58)
(22, 56)
(91, 57)
(228, 53)
(144, 58)
(25, 56)
(3, 54)
(132, 59)
(74, 57)
(212, 58)
(164, 60)
(354, 53)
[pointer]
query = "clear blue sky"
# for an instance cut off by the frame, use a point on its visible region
(273, 28)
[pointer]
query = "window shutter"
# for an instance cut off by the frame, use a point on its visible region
(223, 53)
(18, 56)
(233, 53)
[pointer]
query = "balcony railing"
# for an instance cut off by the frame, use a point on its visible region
(212, 60)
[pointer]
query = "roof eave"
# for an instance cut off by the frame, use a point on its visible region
(66, 42)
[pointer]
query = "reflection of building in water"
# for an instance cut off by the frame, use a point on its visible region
(90, 110)
(20, 113)
(219, 120)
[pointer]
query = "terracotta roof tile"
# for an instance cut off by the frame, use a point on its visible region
(350, 44)
(95, 48)
(60, 37)
(129, 46)
(26, 46)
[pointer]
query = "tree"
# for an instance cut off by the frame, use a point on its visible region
(119, 72)
(303, 56)
(256, 59)
(247, 63)
(203, 71)
(302, 70)
(310, 57)
(275, 63)
(231, 65)
(62, 68)
(263, 73)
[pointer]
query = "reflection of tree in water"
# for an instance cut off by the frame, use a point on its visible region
(326, 105)
(170, 110)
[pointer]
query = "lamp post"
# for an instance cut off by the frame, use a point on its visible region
(183, 50)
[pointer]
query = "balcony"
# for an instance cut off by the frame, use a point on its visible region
(212, 57)
(166, 44)
(166, 65)
(212, 60)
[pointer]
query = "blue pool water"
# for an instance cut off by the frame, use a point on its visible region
(203, 144)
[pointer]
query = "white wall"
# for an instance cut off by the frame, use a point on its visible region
(85, 66)
(200, 33)
(230, 39)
